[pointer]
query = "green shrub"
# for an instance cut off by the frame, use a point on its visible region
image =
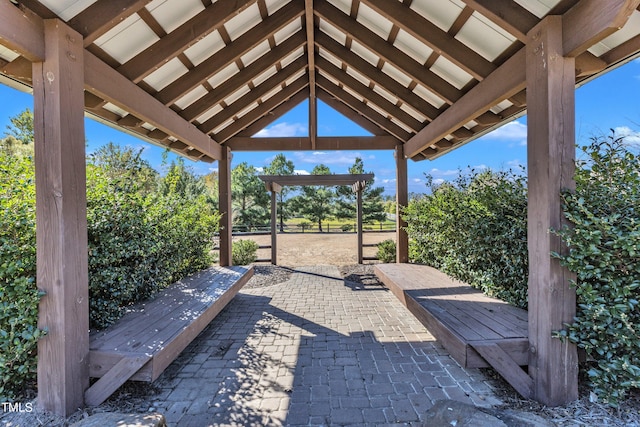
(305, 225)
(18, 293)
(346, 228)
(475, 229)
(386, 251)
(244, 252)
(604, 248)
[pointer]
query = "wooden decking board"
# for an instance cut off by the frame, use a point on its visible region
(163, 331)
(144, 332)
(460, 316)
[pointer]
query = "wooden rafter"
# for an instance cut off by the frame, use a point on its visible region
(313, 107)
(231, 53)
(352, 114)
(274, 114)
(364, 109)
(438, 40)
(170, 46)
(304, 143)
(388, 52)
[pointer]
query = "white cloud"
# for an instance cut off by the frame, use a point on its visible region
(630, 136)
(438, 172)
(514, 132)
(259, 169)
(438, 181)
(327, 158)
(301, 172)
(283, 129)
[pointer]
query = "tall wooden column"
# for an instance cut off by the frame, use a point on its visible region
(61, 220)
(224, 202)
(553, 364)
(358, 187)
(402, 199)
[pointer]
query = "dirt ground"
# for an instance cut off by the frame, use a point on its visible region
(297, 249)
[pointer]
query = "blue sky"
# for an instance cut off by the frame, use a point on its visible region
(609, 102)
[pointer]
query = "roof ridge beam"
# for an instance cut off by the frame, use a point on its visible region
(231, 53)
(187, 34)
(431, 35)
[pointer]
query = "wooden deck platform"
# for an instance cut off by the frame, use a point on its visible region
(144, 342)
(477, 330)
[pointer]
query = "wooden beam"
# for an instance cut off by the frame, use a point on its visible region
(102, 16)
(553, 364)
(402, 200)
(243, 143)
(311, 56)
(274, 223)
(378, 77)
(242, 78)
(253, 95)
(507, 14)
(369, 94)
(231, 53)
(19, 69)
(507, 80)
(359, 223)
(225, 208)
(430, 34)
(108, 84)
(353, 115)
(187, 34)
(588, 22)
(274, 114)
(388, 52)
(262, 109)
(321, 180)
(364, 109)
(61, 221)
(21, 31)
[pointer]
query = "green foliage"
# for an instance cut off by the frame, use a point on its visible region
(244, 252)
(21, 127)
(140, 241)
(474, 229)
(604, 247)
(18, 293)
(386, 251)
(373, 209)
(346, 227)
(280, 165)
(315, 203)
(305, 225)
(249, 198)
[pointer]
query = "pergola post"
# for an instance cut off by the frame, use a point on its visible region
(402, 199)
(553, 364)
(358, 187)
(274, 188)
(224, 202)
(61, 220)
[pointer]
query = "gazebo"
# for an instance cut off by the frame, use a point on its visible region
(201, 77)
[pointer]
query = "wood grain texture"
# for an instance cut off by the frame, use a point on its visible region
(402, 200)
(61, 221)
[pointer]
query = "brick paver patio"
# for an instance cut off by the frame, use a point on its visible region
(314, 351)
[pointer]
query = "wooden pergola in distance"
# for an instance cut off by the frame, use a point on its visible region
(274, 184)
(202, 78)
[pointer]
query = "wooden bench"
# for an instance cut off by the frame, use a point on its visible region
(477, 330)
(141, 344)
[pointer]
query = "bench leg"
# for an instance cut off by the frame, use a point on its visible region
(112, 380)
(507, 367)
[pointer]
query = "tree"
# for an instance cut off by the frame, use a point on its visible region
(125, 167)
(21, 127)
(373, 209)
(281, 166)
(316, 203)
(249, 198)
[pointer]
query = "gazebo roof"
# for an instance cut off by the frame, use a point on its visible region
(196, 75)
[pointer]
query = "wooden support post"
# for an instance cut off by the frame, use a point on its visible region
(402, 199)
(359, 204)
(274, 221)
(61, 220)
(553, 364)
(224, 201)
